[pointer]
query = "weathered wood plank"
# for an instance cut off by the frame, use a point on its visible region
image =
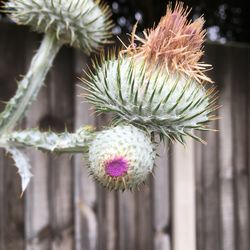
(248, 124)
(61, 103)
(211, 191)
(126, 227)
(199, 196)
(49, 217)
(240, 129)
(144, 217)
(210, 177)
(12, 64)
(161, 190)
(2, 200)
(37, 216)
(183, 179)
(106, 215)
(161, 200)
(111, 218)
(86, 234)
(162, 241)
(226, 172)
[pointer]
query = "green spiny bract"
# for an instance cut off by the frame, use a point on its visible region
(170, 104)
(121, 157)
(82, 23)
(158, 84)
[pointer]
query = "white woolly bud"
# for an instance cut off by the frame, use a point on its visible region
(121, 157)
(81, 23)
(171, 104)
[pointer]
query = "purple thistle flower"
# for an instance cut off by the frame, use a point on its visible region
(116, 167)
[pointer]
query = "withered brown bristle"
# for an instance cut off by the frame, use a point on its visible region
(176, 43)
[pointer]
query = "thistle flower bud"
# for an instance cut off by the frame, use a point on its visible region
(80, 23)
(176, 44)
(170, 104)
(158, 85)
(121, 157)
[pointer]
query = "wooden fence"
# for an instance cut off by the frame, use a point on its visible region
(197, 199)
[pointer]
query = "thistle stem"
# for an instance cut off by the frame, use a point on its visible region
(31, 83)
(65, 142)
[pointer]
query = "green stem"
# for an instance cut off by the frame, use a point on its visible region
(65, 142)
(30, 85)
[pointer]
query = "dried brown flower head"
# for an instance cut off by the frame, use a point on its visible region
(176, 43)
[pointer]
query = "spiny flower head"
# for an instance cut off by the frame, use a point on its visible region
(84, 24)
(121, 157)
(176, 43)
(157, 86)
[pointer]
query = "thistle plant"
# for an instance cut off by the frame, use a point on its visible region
(80, 23)
(155, 86)
(83, 24)
(158, 85)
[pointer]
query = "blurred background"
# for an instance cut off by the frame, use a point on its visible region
(199, 196)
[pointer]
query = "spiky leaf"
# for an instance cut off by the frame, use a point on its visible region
(23, 165)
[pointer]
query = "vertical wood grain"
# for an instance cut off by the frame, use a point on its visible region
(210, 178)
(12, 64)
(37, 229)
(240, 141)
(199, 195)
(226, 175)
(211, 191)
(162, 241)
(107, 216)
(183, 179)
(127, 224)
(86, 233)
(248, 125)
(2, 200)
(144, 216)
(161, 200)
(61, 104)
